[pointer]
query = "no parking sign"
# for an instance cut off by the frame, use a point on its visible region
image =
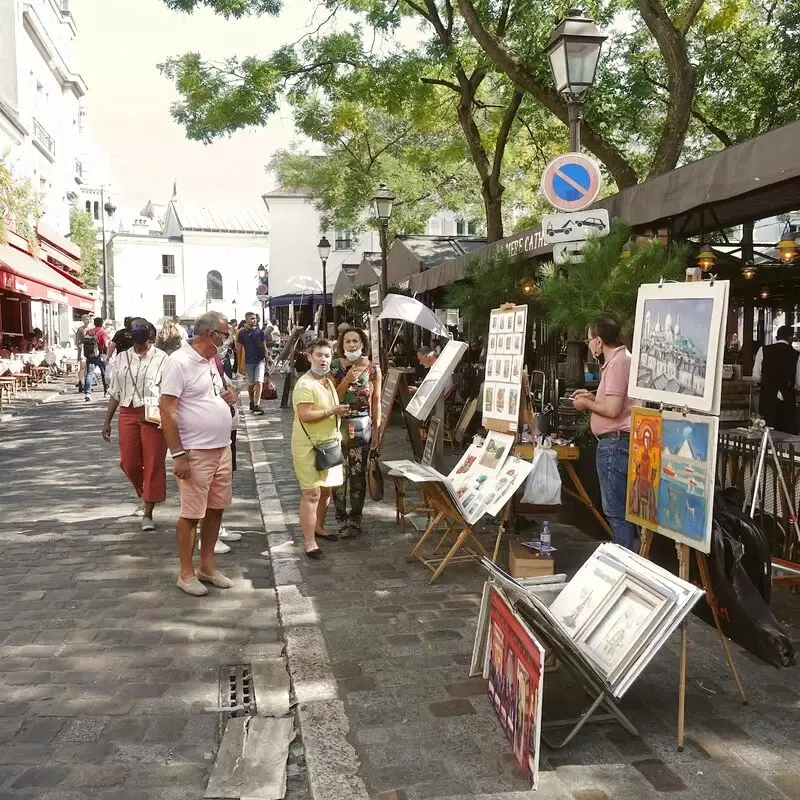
(571, 182)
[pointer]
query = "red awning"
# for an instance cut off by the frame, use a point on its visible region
(22, 273)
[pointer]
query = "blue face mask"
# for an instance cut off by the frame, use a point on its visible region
(354, 356)
(320, 372)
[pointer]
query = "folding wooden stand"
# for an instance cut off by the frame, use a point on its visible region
(442, 509)
(684, 556)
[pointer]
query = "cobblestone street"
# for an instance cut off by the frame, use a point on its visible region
(109, 673)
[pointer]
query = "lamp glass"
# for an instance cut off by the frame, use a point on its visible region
(110, 208)
(262, 271)
(582, 58)
(558, 64)
(324, 248)
(382, 203)
(787, 250)
(706, 259)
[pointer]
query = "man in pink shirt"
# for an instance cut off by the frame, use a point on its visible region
(611, 423)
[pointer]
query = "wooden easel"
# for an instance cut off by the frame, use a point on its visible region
(684, 556)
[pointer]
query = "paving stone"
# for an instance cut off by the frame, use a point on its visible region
(788, 783)
(41, 777)
(662, 778)
(403, 639)
(40, 731)
(451, 708)
(9, 727)
(473, 687)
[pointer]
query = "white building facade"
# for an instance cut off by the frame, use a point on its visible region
(195, 259)
(40, 97)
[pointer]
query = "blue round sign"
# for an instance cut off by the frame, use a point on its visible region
(571, 182)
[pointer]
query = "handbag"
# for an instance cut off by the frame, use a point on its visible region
(374, 477)
(356, 431)
(270, 389)
(150, 401)
(327, 454)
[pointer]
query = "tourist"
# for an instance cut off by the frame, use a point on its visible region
(196, 418)
(94, 347)
(426, 358)
(142, 448)
(252, 359)
(122, 339)
(86, 323)
(316, 408)
(611, 422)
(169, 337)
(358, 384)
(777, 370)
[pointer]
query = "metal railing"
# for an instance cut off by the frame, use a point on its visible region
(78, 168)
(43, 137)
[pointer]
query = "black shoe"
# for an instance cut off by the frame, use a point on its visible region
(252, 407)
(258, 411)
(315, 553)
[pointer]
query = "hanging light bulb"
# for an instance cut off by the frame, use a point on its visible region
(749, 271)
(528, 287)
(706, 258)
(787, 246)
(764, 293)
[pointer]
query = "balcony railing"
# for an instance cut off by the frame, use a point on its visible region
(78, 167)
(44, 138)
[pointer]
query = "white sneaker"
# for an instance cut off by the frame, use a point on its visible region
(220, 548)
(139, 511)
(229, 536)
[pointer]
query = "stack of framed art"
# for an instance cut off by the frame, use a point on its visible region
(433, 386)
(505, 353)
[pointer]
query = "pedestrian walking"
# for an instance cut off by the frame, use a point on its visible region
(169, 338)
(777, 370)
(252, 359)
(196, 418)
(358, 384)
(95, 347)
(122, 339)
(86, 323)
(142, 447)
(611, 423)
(316, 407)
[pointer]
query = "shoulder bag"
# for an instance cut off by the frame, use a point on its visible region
(327, 454)
(152, 411)
(374, 477)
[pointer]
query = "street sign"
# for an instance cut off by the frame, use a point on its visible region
(571, 182)
(574, 227)
(262, 289)
(569, 252)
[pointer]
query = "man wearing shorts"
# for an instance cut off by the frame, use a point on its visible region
(196, 418)
(251, 355)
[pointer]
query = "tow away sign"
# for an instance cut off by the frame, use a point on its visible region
(574, 227)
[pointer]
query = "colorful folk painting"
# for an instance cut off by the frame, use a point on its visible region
(687, 477)
(644, 468)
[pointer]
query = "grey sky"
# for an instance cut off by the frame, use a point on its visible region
(128, 101)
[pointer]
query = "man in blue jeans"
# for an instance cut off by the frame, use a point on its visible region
(94, 346)
(251, 354)
(611, 423)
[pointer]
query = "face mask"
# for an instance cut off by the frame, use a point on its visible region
(222, 351)
(354, 356)
(140, 337)
(320, 372)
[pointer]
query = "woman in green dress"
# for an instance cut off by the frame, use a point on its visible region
(316, 412)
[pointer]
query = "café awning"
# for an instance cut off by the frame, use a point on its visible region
(24, 274)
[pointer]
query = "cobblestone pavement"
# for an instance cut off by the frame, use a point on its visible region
(107, 669)
(379, 663)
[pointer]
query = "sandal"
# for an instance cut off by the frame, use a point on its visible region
(344, 530)
(328, 537)
(315, 553)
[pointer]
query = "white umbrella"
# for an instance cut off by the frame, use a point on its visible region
(397, 306)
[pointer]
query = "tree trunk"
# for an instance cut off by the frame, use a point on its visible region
(492, 202)
(573, 372)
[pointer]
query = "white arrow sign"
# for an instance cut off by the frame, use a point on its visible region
(574, 227)
(569, 252)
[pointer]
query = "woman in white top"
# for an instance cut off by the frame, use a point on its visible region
(142, 448)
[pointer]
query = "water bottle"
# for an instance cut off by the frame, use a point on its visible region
(544, 538)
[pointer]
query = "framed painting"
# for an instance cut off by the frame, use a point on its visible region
(644, 468)
(686, 480)
(429, 391)
(678, 344)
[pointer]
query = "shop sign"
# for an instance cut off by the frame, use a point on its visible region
(526, 242)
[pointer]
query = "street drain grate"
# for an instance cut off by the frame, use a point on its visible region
(237, 695)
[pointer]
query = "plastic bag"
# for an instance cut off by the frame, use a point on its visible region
(543, 485)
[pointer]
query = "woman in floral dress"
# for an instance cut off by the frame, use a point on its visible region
(358, 384)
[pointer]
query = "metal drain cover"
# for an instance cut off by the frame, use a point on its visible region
(237, 695)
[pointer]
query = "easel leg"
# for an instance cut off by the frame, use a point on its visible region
(501, 529)
(683, 572)
(702, 565)
(645, 540)
(428, 531)
(581, 494)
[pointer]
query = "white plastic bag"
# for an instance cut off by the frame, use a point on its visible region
(543, 486)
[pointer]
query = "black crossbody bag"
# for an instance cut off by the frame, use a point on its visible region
(327, 454)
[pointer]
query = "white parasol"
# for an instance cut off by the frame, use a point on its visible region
(397, 306)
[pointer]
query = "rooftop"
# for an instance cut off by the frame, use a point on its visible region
(434, 250)
(197, 217)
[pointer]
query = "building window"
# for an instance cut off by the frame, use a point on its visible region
(88, 206)
(214, 285)
(96, 209)
(464, 228)
(168, 264)
(170, 309)
(344, 240)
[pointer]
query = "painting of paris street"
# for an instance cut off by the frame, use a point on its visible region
(677, 344)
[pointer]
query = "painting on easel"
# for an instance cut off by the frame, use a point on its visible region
(686, 484)
(644, 468)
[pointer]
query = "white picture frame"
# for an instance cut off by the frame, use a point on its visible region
(679, 343)
(429, 391)
(491, 348)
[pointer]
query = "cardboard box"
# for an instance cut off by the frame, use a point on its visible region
(525, 563)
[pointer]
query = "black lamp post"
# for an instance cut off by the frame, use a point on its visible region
(263, 290)
(109, 208)
(382, 203)
(324, 250)
(574, 50)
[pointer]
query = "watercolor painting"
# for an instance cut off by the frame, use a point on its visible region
(644, 468)
(686, 480)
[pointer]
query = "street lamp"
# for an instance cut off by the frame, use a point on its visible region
(574, 50)
(324, 250)
(109, 208)
(382, 202)
(263, 290)
(787, 246)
